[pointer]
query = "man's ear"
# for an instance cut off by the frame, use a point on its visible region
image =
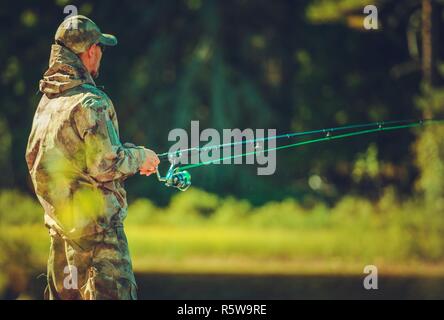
(91, 51)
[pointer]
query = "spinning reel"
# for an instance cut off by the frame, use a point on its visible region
(175, 177)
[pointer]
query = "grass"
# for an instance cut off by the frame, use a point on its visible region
(217, 249)
(200, 233)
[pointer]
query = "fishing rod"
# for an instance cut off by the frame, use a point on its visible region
(286, 135)
(179, 177)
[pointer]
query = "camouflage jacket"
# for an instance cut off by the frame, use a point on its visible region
(74, 155)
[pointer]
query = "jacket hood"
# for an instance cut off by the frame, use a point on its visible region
(65, 72)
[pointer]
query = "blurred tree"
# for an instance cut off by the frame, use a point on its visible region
(232, 64)
(424, 20)
(430, 146)
(430, 22)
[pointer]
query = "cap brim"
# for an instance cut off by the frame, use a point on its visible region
(108, 39)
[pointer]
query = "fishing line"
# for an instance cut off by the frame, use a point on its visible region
(179, 178)
(328, 137)
(378, 124)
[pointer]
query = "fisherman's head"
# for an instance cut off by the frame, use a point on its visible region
(83, 37)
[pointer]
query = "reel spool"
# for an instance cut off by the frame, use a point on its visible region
(175, 178)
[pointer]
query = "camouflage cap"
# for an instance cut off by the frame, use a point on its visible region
(78, 33)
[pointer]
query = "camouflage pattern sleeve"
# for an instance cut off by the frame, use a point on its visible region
(106, 158)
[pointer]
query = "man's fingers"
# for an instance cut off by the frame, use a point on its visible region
(148, 171)
(151, 163)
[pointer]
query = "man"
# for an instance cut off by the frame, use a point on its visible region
(78, 164)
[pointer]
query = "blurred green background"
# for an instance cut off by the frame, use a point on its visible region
(329, 210)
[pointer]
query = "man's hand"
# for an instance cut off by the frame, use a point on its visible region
(150, 164)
